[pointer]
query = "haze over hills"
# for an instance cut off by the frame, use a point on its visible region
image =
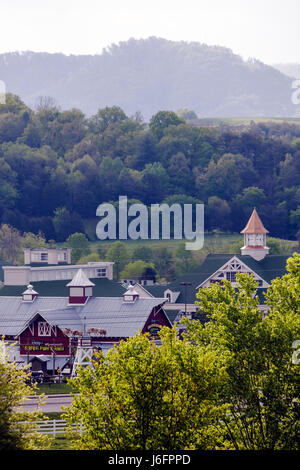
(291, 70)
(150, 75)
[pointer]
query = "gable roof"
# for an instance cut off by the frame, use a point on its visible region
(172, 314)
(119, 319)
(14, 313)
(269, 268)
(254, 224)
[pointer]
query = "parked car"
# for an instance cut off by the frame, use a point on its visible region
(37, 376)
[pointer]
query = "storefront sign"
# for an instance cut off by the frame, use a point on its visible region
(37, 348)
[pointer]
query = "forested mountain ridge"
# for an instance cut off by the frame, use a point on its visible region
(149, 75)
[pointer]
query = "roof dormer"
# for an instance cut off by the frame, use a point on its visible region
(80, 288)
(131, 295)
(29, 294)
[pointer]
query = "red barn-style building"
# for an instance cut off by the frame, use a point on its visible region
(48, 327)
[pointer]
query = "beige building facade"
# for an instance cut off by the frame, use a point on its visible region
(24, 275)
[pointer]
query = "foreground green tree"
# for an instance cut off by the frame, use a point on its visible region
(17, 428)
(147, 397)
(263, 385)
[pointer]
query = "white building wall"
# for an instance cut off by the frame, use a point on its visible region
(23, 275)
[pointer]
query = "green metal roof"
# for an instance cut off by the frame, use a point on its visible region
(171, 314)
(269, 268)
(103, 288)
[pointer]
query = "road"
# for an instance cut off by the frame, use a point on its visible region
(52, 403)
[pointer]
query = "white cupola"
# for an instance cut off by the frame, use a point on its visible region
(255, 238)
(29, 294)
(130, 295)
(80, 288)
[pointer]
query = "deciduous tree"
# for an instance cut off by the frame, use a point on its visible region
(141, 396)
(17, 428)
(263, 386)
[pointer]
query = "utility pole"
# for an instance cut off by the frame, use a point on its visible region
(185, 284)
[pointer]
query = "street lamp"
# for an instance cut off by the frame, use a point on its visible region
(185, 284)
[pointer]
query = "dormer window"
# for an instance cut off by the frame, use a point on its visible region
(29, 295)
(80, 288)
(128, 298)
(130, 295)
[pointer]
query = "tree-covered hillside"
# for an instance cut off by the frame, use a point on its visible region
(56, 167)
(149, 75)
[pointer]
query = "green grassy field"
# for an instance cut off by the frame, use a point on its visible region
(53, 389)
(242, 121)
(213, 243)
(62, 441)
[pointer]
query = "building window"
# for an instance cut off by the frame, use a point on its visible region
(88, 291)
(27, 297)
(44, 329)
(128, 298)
(44, 256)
(76, 292)
(62, 256)
(231, 276)
(35, 257)
(168, 296)
(101, 272)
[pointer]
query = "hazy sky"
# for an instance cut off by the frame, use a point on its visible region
(268, 30)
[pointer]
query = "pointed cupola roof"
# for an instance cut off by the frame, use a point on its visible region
(29, 290)
(131, 294)
(80, 280)
(29, 294)
(255, 225)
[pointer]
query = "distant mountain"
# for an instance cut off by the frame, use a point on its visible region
(291, 70)
(151, 75)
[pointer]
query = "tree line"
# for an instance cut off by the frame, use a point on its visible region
(57, 166)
